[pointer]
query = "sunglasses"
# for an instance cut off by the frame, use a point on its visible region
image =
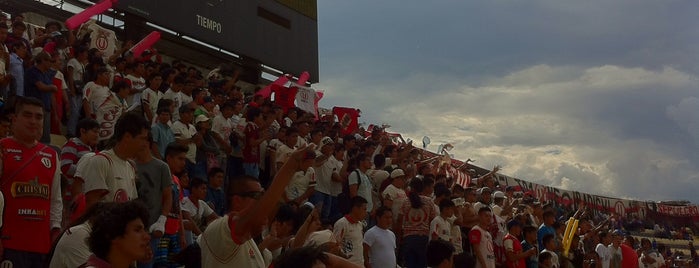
(251, 194)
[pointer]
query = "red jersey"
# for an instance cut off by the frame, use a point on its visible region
(251, 153)
(517, 249)
(27, 182)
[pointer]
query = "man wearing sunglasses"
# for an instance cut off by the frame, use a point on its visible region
(227, 242)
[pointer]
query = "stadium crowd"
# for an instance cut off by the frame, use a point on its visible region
(167, 167)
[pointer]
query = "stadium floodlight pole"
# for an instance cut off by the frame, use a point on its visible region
(76, 20)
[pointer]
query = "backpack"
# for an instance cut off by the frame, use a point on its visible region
(344, 205)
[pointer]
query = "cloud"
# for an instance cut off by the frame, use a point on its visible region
(562, 126)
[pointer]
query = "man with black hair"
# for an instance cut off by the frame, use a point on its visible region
(359, 183)
(109, 175)
(174, 93)
(119, 236)
(227, 242)
(253, 137)
(76, 147)
(31, 188)
(348, 231)
(440, 227)
(546, 227)
(550, 246)
(530, 243)
(215, 195)
(154, 185)
(440, 254)
(38, 83)
(482, 241)
(163, 134)
(513, 247)
(186, 134)
(380, 241)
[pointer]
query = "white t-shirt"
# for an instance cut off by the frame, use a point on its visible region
(324, 177)
(377, 177)
(78, 69)
(111, 173)
(219, 250)
(456, 238)
(184, 132)
(659, 260)
(198, 213)
(72, 249)
(441, 228)
(300, 183)
(222, 127)
(350, 237)
(383, 247)
(604, 255)
(137, 83)
(151, 98)
(364, 188)
(176, 97)
(554, 258)
(484, 242)
(397, 195)
(283, 153)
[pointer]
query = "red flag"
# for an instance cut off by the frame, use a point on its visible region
(348, 118)
(266, 92)
(284, 96)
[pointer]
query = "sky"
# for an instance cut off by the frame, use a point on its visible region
(595, 96)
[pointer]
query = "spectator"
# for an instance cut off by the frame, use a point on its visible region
(31, 189)
(615, 250)
(162, 132)
(414, 220)
(650, 258)
(18, 52)
(546, 260)
(329, 182)
(440, 254)
(195, 212)
(482, 241)
(151, 96)
(359, 183)
(546, 228)
(530, 244)
(215, 196)
(208, 150)
(440, 227)
(119, 236)
(75, 149)
(348, 231)
(228, 241)
(75, 77)
(394, 194)
(134, 76)
(550, 247)
(109, 176)
(253, 137)
(603, 251)
(155, 191)
(72, 249)
(629, 256)
(303, 183)
(186, 134)
(516, 257)
(174, 93)
(38, 83)
(380, 241)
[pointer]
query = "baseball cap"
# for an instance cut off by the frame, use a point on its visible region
(397, 173)
(201, 118)
(498, 194)
(326, 140)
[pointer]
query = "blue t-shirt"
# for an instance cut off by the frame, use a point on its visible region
(532, 261)
(217, 199)
(34, 75)
(544, 230)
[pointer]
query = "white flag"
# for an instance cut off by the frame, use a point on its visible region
(305, 99)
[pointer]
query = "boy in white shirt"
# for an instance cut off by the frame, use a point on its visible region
(380, 241)
(348, 231)
(440, 228)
